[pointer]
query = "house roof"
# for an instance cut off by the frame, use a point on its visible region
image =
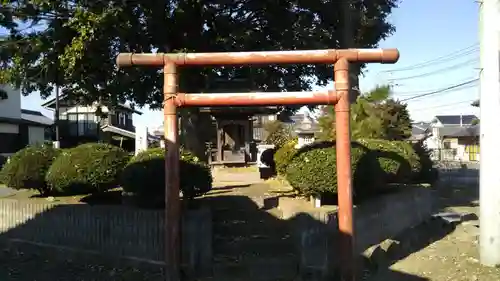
(456, 119)
(30, 118)
(52, 102)
(459, 131)
(118, 131)
(36, 117)
(419, 130)
(125, 133)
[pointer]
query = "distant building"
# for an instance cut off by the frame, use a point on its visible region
(450, 137)
(19, 127)
(80, 123)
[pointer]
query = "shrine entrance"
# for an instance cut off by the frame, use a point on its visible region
(338, 97)
(233, 134)
(232, 142)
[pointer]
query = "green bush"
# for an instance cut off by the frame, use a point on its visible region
(144, 175)
(87, 168)
(427, 173)
(27, 168)
(396, 158)
(284, 155)
(313, 170)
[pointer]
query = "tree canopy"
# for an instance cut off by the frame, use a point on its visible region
(74, 43)
(374, 115)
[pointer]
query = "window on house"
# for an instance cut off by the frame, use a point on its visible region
(447, 145)
(91, 122)
(122, 119)
(73, 124)
(81, 124)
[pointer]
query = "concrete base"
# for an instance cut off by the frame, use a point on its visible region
(316, 229)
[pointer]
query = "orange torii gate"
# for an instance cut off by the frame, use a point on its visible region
(338, 97)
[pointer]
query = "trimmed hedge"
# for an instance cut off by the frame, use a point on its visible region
(284, 155)
(313, 170)
(144, 175)
(396, 158)
(87, 168)
(28, 167)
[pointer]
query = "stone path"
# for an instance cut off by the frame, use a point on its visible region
(251, 242)
(235, 176)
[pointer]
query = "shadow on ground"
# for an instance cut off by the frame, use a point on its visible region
(250, 242)
(82, 242)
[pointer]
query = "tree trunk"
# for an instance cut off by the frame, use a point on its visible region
(195, 132)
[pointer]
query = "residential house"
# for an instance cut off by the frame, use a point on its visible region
(450, 137)
(19, 127)
(80, 123)
(419, 131)
(259, 133)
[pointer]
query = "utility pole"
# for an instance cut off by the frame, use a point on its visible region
(56, 142)
(489, 189)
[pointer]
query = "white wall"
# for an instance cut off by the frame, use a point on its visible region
(9, 128)
(432, 142)
(36, 135)
(10, 107)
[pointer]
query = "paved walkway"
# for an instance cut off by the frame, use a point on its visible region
(236, 176)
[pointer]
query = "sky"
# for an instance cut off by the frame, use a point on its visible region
(438, 43)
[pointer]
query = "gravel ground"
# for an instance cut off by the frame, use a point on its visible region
(451, 250)
(23, 262)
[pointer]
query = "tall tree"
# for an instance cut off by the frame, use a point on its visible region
(74, 43)
(374, 115)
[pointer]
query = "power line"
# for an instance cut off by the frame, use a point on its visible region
(454, 55)
(443, 105)
(412, 93)
(441, 70)
(442, 90)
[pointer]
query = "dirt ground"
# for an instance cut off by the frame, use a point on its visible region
(451, 250)
(25, 262)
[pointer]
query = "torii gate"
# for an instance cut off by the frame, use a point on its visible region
(338, 97)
